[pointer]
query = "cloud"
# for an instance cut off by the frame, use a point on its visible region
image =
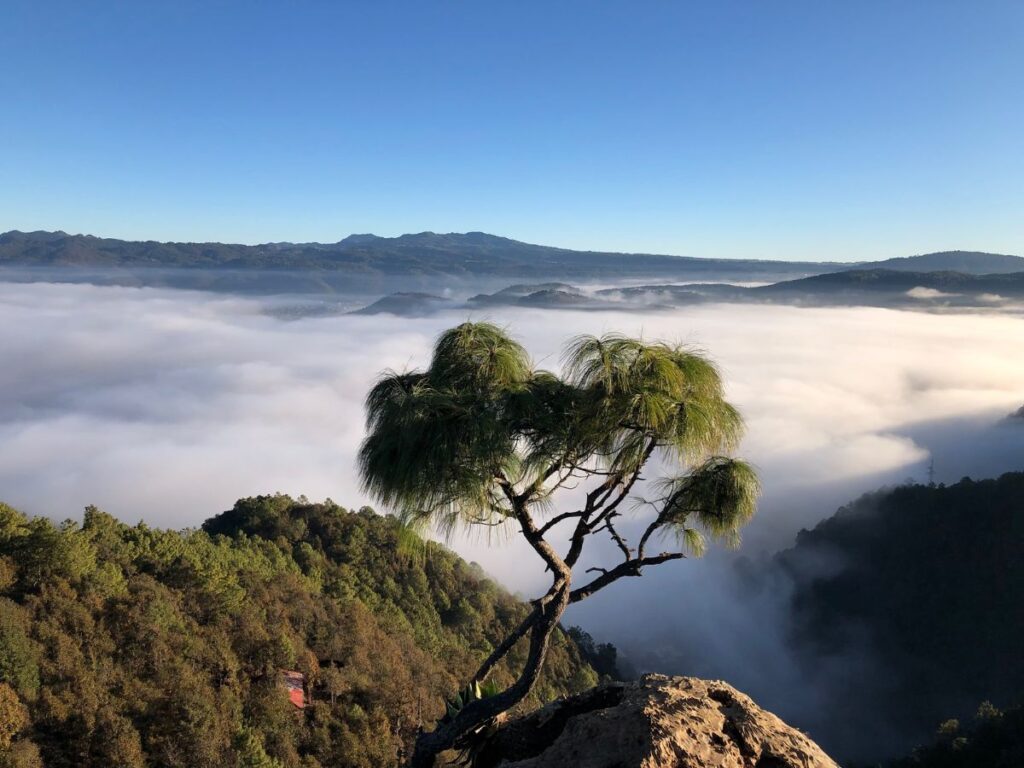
(991, 298)
(169, 405)
(921, 292)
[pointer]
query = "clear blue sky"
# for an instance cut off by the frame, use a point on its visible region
(813, 129)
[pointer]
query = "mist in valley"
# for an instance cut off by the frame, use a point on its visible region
(167, 405)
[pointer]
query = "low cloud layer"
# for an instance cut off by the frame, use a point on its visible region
(168, 405)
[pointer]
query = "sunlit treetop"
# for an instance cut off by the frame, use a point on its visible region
(446, 445)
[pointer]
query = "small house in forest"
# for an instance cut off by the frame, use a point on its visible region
(295, 683)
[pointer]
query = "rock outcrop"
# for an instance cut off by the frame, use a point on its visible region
(657, 722)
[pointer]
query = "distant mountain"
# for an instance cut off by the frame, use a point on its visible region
(470, 253)
(555, 298)
(405, 305)
(429, 262)
(900, 285)
(543, 296)
(525, 289)
(538, 296)
(426, 253)
(861, 287)
(969, 262)
(672, 295)
(856, 287)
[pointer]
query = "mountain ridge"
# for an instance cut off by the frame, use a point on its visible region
(884, 279)
(136, 251)
(455, 253)
(973, 262)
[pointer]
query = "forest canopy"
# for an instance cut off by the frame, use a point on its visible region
(133, 646)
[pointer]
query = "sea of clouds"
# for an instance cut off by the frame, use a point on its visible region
(168, 405)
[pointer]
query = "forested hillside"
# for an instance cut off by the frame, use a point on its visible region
(928, 580)
(127, 646)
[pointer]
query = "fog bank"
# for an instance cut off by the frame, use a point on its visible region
(168, 405)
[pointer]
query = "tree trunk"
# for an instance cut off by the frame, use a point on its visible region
(477, 713)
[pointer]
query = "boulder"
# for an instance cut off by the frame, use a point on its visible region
(656, 722)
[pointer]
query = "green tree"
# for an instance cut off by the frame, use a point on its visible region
(482, 438)
(18, 656)
(603, 657)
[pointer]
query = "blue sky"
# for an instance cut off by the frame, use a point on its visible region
(759, 129)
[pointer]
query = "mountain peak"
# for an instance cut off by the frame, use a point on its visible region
(39, 235)
(360, 239)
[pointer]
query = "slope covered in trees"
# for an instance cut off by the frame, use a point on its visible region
(930, 581)
(131, 646)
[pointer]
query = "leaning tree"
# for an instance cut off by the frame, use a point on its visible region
(482, 438)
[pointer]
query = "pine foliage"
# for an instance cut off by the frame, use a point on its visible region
(440, 440)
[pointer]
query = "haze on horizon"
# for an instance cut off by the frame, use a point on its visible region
(791, 130)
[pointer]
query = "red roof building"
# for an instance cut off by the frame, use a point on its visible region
(295, 682)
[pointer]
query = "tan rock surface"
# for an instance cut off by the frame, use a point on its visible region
(657, 722)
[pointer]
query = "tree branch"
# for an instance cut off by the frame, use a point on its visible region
(626, 568)
(658, 522)
(620, 543)
(507, 644)
(558, 519)
(628, 487)
(476, 713)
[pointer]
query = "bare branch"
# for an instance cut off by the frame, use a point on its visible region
(558, 519)
(627, 568)
(628, 487)
(619, 541)
(656, 524)
(595, 500)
